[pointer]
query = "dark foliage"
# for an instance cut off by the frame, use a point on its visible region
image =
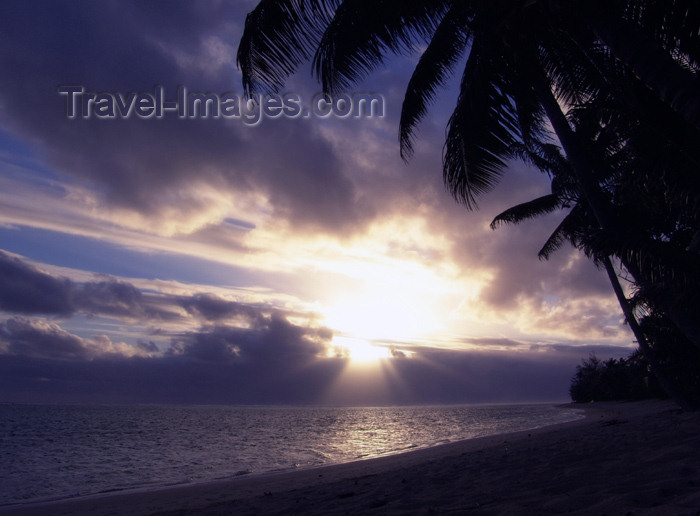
(678, 356)
(615, 379)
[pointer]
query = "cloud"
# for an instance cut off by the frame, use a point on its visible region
(246, 353)
(493, 343)
(147, 167)
(271, 339)
(246, 331)
(429, 376)
(41, 339)
(28, 290)
(292, 179)
(214, 308)
(109, 298)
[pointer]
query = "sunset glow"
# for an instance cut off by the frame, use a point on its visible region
(290, 260)
(384, 313)
(362, 351)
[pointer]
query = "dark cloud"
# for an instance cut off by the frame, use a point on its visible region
(146, 165)
(396, 353)
(214, 308)
(28, 290)
(264, 363)
(245, 332)
(162, 380)
(429, 376)
(40, 339)
(148, 347)
(271, 338)
(560, 350)
(35, 338)
(262, 348)
(490, 342)
(109, 297)
(454, 376)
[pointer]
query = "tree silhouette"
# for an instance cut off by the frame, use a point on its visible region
(579, 229)
(614, 379)
(615, 80)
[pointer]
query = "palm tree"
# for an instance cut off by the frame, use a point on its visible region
(579, 229)
(652, 170)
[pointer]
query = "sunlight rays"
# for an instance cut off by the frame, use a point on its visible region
(365, 379)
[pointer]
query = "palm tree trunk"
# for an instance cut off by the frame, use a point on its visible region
(676, 86)
(576, 153)
(644, 347)
(687, 327)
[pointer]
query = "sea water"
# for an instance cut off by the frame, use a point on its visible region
(54, 452)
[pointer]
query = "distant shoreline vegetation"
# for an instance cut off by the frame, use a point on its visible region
(632, 378)
(614, 379)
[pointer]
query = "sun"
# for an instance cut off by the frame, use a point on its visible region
(362, 351)
(380, 316)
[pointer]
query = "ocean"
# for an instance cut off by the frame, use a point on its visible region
(63, 451)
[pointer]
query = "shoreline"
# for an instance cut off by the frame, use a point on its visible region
(396, 483)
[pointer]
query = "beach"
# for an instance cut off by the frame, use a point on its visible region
(623, 458)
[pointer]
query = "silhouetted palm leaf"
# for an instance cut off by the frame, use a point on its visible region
(363, 32)
(527, 210)
(436, 63)
(646, 57)
(279, 35)
(482, 129)
(564, 233)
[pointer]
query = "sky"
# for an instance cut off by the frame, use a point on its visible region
(294, 260)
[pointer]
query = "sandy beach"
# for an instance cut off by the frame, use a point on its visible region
(623, 458)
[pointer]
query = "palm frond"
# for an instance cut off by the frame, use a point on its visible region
(562, 234)
(673, 24)
(482, 129)
(664, 263)
(527, 210)
(547, 157)
(278, 36)
(575, 67)
(530, 114)
(363, 32)
(436, 63)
